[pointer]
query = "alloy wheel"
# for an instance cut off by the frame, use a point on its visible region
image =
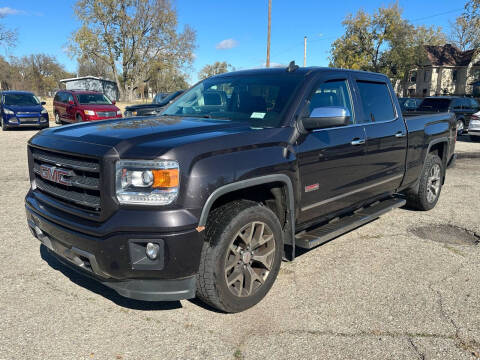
(433, 183)
(249, 259)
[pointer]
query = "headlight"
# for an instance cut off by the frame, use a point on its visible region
(89, 112)
(147, 182)
(8, 111)
(44, 111)
(119, 112)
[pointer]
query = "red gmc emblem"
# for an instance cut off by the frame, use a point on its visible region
(55, 174)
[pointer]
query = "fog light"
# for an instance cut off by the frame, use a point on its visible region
(152, 250)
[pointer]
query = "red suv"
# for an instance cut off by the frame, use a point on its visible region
(73, 106)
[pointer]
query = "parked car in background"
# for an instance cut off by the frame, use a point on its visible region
(409, 104)
(474, 127)
(202, 199)
(160, 101)
(462, 107)
(74, 106)
(22, 108)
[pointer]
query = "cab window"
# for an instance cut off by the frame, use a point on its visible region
(335, 93)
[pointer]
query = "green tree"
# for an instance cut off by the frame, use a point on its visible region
(383, 42)
(131, 37)
(465, 31)
(214, 69)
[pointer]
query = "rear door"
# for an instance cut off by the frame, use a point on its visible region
(61, 105)
(386, 135)
(330, 161)
(70, 108)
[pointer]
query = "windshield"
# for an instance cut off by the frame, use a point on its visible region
(437, 105)
(20, 99)
(93, 99)
(169, 98)
(256, 99)
(159, 98)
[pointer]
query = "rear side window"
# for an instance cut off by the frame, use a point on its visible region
(436, 104)
(376, 100)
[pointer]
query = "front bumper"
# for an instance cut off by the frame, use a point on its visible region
(116, 259)
(26, 121)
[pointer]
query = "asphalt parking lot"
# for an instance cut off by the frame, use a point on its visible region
(406, 286)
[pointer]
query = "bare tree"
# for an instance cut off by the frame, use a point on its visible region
(8, 38)
(131, 37)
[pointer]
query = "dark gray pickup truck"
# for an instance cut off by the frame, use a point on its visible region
(207, 198)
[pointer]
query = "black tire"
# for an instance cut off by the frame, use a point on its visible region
(57, 119)
(474, 138)
(421, 199)
(4, 127)
(224, 225)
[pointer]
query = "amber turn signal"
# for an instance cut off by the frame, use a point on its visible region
(165, 178)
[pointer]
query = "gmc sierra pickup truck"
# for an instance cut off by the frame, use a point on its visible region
(207, 198)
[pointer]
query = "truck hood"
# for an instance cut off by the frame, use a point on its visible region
(163, 132)
(143, 106)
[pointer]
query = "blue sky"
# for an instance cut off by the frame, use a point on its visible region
(232, 31)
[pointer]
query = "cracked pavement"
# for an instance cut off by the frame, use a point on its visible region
(378, 292)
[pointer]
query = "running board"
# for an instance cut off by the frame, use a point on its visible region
(340, 226)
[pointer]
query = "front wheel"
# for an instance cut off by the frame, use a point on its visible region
(242, 256)
(430, 185)
(57, 119)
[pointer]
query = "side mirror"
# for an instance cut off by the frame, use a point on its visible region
(326, 117)
(43, 103)
(71, 102)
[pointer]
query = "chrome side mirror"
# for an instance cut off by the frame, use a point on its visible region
(326, 117)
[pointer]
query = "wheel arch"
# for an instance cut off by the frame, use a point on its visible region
(252, 183)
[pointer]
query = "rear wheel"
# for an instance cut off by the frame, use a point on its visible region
(460, 127)
(57, 119)
(78, 118)
(430, 185)
(242, 257)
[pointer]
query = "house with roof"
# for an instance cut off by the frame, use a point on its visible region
(447, 71)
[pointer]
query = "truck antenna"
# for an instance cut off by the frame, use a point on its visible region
(292, 67)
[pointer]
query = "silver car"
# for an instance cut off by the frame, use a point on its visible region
(474, 127)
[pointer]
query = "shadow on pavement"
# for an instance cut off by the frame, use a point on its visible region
(98, 288)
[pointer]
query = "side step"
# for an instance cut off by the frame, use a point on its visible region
(337, 227)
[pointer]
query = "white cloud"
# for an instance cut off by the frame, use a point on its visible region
(273, 65)
(4, 11)
(227, 44)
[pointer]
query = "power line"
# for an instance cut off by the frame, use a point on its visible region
(436, 15)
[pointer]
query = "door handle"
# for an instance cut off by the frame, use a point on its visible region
(357, 141)
(400, 134)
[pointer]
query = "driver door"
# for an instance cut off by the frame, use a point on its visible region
(331, 160)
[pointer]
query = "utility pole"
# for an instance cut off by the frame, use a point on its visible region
(268, 34)
(304, 51)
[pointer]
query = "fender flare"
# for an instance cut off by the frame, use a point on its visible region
(243, 184)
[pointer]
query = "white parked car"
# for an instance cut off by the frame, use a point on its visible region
(474, 127)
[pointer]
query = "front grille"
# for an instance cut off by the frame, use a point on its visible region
(27, 113)
(28, 120)
(78, 185)
(106, 113)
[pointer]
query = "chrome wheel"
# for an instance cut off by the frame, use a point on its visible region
(433, 183)
(249, 259)
(460, 127)
(57, 119)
